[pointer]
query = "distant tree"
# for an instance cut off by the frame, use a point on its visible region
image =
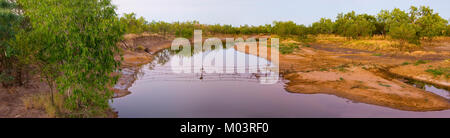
(184, 29)
(355, 26)
(324, 26)
(302, 31)
(448, 30)
(132, 24)
(405, 32)
(284, 28)
(387, 19)
(431, 24)
(383, 19)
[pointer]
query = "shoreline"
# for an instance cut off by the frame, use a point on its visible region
(306, 70)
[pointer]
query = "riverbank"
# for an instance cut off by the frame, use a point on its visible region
(357, 74)
(137, 50)
(29, 100)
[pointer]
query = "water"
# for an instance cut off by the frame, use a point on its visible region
(160, 93)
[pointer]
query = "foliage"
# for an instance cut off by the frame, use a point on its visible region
(448, 30)
(10, 21)
(355, 26)
(324, 26)
(132, 24)
(406, 32)
(73, 44)
(431, 24)
(408, 26)
(288, 48)
(284, 28)
(440, 71)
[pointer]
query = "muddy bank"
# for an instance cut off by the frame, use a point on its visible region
(347, 73)
(137, 50)
(363, 86)
(419, 72)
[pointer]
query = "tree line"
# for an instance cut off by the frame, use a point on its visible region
(412, 25)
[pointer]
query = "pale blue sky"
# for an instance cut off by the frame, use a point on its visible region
(257, 12)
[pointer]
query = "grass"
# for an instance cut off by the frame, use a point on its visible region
(377, 44)
(288, 48)
(329, 39)
(43, 102)
(377, 54)
(440, 71)
(57, 109)
(418, 62)
(405, 63)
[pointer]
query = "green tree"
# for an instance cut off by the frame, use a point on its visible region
(431, 24)
(10, 22)
(405, 32)
(355, 26)
(284, 28)
(74, 44)
(387, 19)
(132, 24)
(448, 30)
(324, 26)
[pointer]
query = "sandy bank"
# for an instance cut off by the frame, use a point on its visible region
(345, 73)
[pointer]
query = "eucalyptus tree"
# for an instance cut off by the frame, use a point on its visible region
(430, 23)
(74, 45)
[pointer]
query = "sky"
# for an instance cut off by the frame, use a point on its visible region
(258, 12)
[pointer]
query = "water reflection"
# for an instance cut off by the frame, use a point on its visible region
(430, 88)
(159, 92)
(254, 68)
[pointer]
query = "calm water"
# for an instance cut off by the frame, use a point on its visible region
(160, 93)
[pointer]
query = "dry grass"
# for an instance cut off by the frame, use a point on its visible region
(57, 109)
(380, 45)
(374, 43)
(44, 102)
(437, 41)
(133, 36)
(330, 39)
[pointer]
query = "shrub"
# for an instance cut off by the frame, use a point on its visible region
(288, 48)
(140, 48)
(74, 45)
(440, 71)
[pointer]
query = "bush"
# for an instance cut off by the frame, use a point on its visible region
(74, 44)
(132, 24)
(405, 32)
(10, 23)
(288, 48)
